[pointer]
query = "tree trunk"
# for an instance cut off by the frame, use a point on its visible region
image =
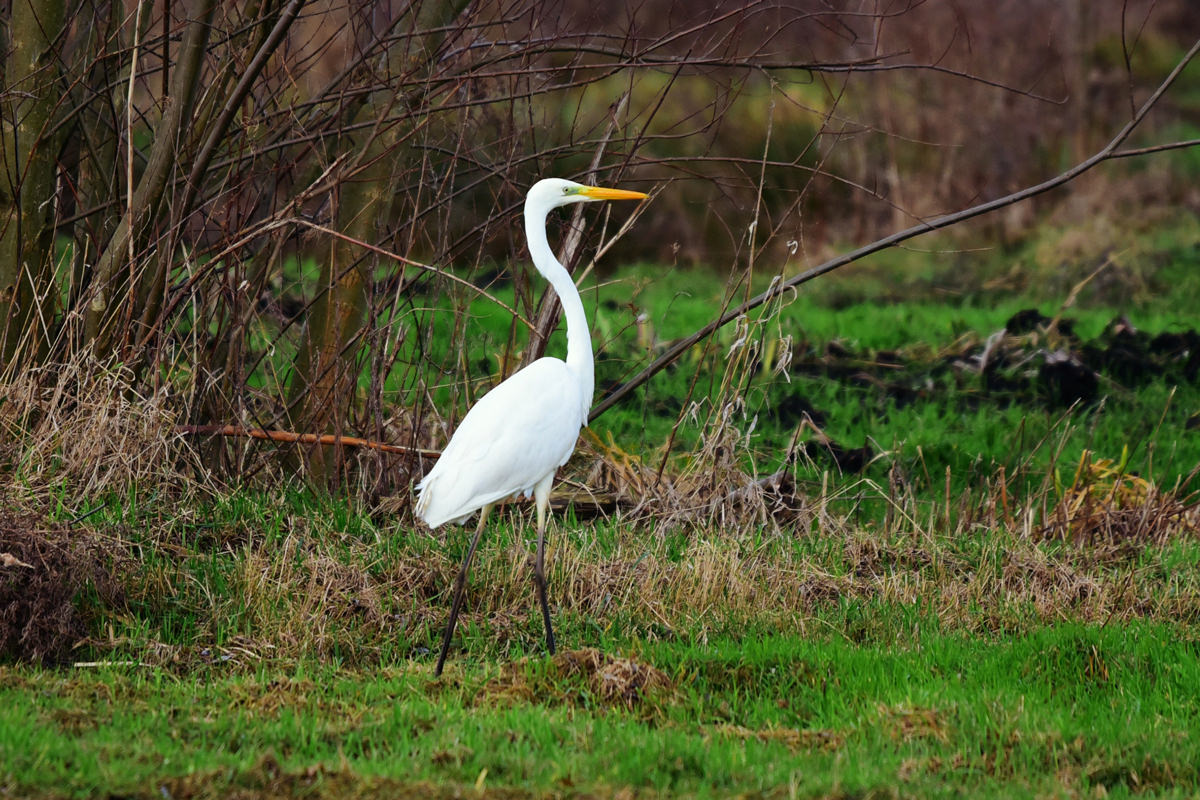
(323, 383)
(115, 288)
(27, 187)
(326, 371)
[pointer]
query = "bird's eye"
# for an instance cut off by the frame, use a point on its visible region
(566, 190)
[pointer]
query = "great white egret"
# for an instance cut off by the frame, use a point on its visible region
(518, 434)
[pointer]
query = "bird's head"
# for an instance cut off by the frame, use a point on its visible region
(554, 192)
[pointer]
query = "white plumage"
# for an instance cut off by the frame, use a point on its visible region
(517, 436)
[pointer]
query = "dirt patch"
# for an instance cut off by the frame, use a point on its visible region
(52, 579)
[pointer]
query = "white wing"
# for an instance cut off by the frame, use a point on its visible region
(517, 434)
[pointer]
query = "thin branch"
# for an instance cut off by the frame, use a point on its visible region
(216, 133)
(185, 289)
(1156, 148)
(779, 287)
(291, 437)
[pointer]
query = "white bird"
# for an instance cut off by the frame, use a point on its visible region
(517, 436)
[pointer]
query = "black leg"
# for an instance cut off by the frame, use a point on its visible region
(539, 579)
(539, 572)
(459, 586)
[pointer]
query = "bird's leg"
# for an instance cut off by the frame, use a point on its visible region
(542, 494)
(459, 586)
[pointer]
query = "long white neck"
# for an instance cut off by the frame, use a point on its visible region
(579, 339)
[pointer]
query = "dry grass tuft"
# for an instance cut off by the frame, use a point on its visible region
(795, 739)
(971, 578)
(585, 677)
(307, 600)
(1050, 584)
(279, 694)
(713, 486)
(312, 591)
(904, 723)
(709, 489)
(85, 426)
(268, 779)
(616, 681)
(1105, 504)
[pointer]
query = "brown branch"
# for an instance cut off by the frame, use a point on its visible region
(233, 102)
(101, 316)
(183, 291)
(779, 287)
(1156, 148)
(867, 64)
(291, 437)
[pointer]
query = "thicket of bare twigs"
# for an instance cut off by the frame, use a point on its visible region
(241, 213)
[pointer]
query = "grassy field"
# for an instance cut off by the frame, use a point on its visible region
(892, 553)
(1068, 709)
(886, 356)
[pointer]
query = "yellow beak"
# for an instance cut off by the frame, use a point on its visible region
(600, 193)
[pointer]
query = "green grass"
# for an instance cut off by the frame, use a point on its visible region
(281, 644)
(881, 636)
(1067, 709)
(919, 307)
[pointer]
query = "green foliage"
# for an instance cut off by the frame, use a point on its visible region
(1186, 161)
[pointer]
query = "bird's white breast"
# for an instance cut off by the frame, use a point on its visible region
(513, 437)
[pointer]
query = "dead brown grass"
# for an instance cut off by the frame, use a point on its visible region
(45, 572)
(973, 578)
(795, 739)
(579, 677)
(269, 780)
(1107, 507)
(316, 592)
(701, 547)
(904, 723)
(84, 426)
(704, 490)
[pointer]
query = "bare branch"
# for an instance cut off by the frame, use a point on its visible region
(778, 288)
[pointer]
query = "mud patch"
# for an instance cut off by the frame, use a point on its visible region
(1033, 360)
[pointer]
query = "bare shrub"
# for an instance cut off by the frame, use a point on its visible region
(260, 208)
